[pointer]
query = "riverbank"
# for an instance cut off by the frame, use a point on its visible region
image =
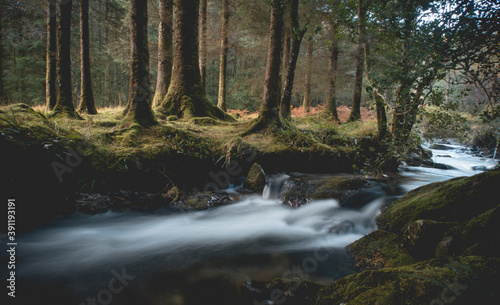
(53, 160)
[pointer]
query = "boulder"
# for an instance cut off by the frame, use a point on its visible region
(422, 236)
(256, 179)
(281, 291)
(454, 200)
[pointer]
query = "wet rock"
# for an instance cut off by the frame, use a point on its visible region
(256, 179)
(442, 147)
(281, 291)
(437, 165)
(418, 156)
(465, 280)
(300, 190)
(343, 227)
(205, 200)
(422, 237)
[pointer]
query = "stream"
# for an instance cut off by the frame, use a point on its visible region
(204, 257)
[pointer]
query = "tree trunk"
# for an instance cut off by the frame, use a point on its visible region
(64, 104)
(203, 45)
(376, 95)
(139, 104)
(331, 104)
(287, 43)
(358, 82)
(307, 83)
(269, 112)
(297, 34)
(87, 103)
(164, 51)
(223, 57)
(185, 97)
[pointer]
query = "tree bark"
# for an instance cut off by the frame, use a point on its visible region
(87, 103)
(269, 113)
(331, 104)
(164, 51)
(203, 44)
(297, 35)
(185, 97)
(358, 82)
(307, 83)
(222, 104)
(64, 104)
(287, 43)
(139, 104)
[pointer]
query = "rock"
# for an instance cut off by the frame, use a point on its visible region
(380, 249)
(442, 147)
(205, 200)
(256, 179)
(466, 280)
(478, 236)
(418, 156)
(454, 200)
(444, 156)
(300, 190)
(422, 236)
(282, 291)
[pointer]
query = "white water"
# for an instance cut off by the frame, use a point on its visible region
(463, 165)
(253, 226)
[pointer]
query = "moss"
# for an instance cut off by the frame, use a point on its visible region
(337, 187)
(478, 236)
(465, 281)
(455, 200)
(172, 118)
(256, 179)
(380, 249)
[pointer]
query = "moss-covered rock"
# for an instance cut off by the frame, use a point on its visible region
(256, 179)
(282, 291)
(454, 200)
(478, 236)
(380, 249)
(422, 236)
(468, 280)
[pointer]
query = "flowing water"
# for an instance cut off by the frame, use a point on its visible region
(203, 257)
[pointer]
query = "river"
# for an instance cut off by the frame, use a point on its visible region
(203, 257)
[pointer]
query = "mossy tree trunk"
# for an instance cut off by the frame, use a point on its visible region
(287, 43)
(87, 103)
(64, 104)
(358, 81)
(331, 100)
(51, 70)
(185, 97)
(297, 34)
(376, 95)
(139, 104)
(224, 45)
(164, 50)
(269, 117)
(307, 82)
(203, 44)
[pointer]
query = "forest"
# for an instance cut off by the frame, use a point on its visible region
(250, 152)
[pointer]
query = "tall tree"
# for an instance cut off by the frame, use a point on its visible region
(203, 44)
(185, 96)
(297, 34)
(64, 104)
(224, 45)
(358, 81)
(139, 102)
(307, 82)
(164, 50)
(87, 103)
(269, 113)
(51, 70)
(331, 100)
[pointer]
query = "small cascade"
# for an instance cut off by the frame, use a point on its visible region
(274, 185)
